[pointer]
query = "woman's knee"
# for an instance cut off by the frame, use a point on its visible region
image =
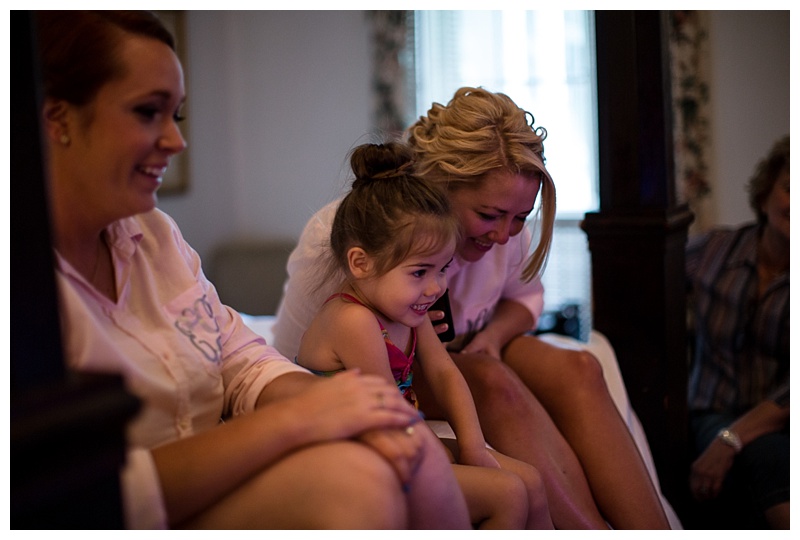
(342, 485)
(586, 370)
(550, 366)
(372, 497)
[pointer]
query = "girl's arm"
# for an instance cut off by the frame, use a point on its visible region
(510, 319)
(348, 335)
(453, 395)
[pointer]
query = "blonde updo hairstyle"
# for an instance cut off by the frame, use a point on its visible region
(389, 212)
(479, 132)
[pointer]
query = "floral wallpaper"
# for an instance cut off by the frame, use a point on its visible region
(690, 93)
(388, 76)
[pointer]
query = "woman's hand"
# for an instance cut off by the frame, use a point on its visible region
(509, 320)
(403, 449)
(350, 404)
(710, 469)
(435, 316)
(380, 416)
(296, 410)
(486, 343)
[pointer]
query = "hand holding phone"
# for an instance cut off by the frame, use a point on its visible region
(443, 304)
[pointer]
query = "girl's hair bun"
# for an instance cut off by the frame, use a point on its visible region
(371, 162)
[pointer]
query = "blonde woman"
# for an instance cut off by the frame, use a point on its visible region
(393, 238)
(537, 403)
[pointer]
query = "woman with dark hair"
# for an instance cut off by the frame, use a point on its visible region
(294, 450)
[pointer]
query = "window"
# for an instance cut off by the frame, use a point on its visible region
(544, 61)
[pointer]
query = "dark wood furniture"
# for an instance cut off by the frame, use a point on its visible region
(637, 238)
(67, 430)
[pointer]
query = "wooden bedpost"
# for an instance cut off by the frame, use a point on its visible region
(67, 436)
(637, 238)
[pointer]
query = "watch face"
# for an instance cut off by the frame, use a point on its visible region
(731, 439)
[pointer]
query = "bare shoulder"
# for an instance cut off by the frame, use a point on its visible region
(355, 338)
(345, 321)
(318, 344)
(349, 311)
(339, 327)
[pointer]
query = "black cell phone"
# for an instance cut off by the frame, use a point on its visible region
(443, 304)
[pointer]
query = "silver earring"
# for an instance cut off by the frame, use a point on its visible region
(64, 139)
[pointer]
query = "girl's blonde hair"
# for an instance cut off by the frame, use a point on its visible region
(479, 132)
(389, 212)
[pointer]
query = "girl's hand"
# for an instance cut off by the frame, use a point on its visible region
(484, 342)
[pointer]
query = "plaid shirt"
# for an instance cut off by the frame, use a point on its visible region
(741, 355)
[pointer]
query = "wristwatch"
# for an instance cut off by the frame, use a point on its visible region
(730, 438)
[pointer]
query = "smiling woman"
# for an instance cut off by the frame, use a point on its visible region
(476, 147)
(134, 301)
(114, 144)
(544, 59)
(392, 241)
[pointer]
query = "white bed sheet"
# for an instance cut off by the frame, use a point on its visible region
(597, 345)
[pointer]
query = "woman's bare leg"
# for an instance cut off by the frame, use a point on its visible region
(570, 385)
(515, 424)
(434, 496)
(340, 485)
(329, 486)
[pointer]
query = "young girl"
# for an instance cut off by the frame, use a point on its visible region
(394, 237)
(539, 403)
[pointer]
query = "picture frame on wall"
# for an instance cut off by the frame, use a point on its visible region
(176, 180)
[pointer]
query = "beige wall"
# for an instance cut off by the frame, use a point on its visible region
(749, 81)
(278, 98)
